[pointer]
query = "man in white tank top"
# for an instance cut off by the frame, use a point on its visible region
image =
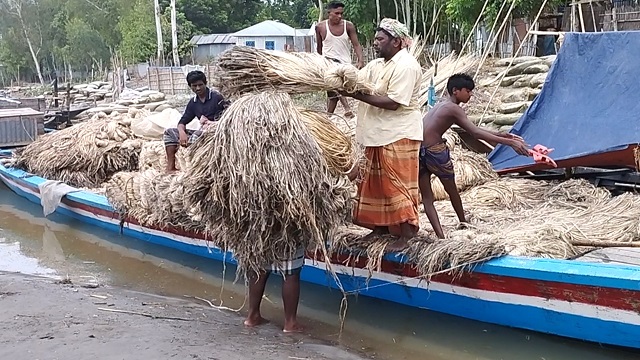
(335, 37)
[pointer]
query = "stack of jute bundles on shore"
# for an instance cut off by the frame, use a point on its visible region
(517, 87)
(259, 184)
(84, 155)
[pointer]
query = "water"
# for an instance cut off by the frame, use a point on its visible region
(33, 244)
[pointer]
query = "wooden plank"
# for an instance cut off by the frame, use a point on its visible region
(19, 112)
(617, 255)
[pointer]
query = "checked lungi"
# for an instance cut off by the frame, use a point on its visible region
(389, 194)
(436, 160)
(171, 136)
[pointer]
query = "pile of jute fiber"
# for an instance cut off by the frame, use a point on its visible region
(516, 217)
(152, 198)
(262, 184)
(338, 149)
(243, 69)
(153, 156)
(84, 155)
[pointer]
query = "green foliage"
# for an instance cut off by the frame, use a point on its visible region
(465, 12)
(138, 31)
(85, 46)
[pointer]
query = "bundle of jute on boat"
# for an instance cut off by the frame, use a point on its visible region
(153, 156)
(512, 216)
(83, 155)
(470, 168)
(262, 184)
(338, 148)
(152, 198)
(244, 69)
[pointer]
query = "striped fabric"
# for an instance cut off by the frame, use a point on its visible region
(436, 160)
(389, 194)
(289, 267)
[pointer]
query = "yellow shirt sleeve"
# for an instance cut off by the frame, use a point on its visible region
(402, 83)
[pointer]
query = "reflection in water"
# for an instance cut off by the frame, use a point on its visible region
(377, 328)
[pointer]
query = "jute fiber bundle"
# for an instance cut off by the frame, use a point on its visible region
(83, 155)
(244, 69)
(513, 216)
(262, 185)
(470, 168)
(337, 147)
(153, 156)
(152, 198)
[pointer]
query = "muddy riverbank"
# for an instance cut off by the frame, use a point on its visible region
(43, 318)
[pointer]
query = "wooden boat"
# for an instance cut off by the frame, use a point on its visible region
(582, 298)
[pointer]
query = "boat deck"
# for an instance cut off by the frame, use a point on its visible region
(613, 255)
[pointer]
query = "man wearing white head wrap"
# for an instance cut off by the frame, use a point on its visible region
(397, 30)
(390, 127)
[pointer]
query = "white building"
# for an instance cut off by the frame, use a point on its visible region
(274, 35)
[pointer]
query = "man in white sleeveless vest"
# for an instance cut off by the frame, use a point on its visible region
(335, 37)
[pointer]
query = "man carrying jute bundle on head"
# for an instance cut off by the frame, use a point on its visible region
(290, 271)
(207, 106)
(390, 128)
(434, 153)
(335, 37)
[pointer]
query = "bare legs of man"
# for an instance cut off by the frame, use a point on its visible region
(332, 103)
(171, 157)
(290, 298)
(427, 200)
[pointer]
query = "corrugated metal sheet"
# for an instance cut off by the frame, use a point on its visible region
(208, 39)
(18, 130)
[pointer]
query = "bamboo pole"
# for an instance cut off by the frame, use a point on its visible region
(492, 43)
(593, 17)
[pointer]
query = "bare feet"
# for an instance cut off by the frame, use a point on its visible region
(255, 320)
(170, 171)
(398, 245)
(349, 115)
(292, 327)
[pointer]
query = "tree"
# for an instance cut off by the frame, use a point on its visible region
(137, 29)
(174, 35)
(20, 10)
(85, 46)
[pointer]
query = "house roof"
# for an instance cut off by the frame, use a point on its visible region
(267, 28)
(207, 39)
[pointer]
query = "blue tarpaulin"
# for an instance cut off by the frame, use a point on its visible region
(589, 104)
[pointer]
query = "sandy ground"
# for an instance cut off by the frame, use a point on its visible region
(41, 318)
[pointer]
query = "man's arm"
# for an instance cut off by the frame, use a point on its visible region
(460, 118)
(187, 116)
(318, 39)
(353, 35)
(383, 102)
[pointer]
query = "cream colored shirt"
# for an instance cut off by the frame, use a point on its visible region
(400, 79)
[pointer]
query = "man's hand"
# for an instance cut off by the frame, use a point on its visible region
(360, 64)
(519, 146)
(183, 137)
(203, 120)
(512, 136)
